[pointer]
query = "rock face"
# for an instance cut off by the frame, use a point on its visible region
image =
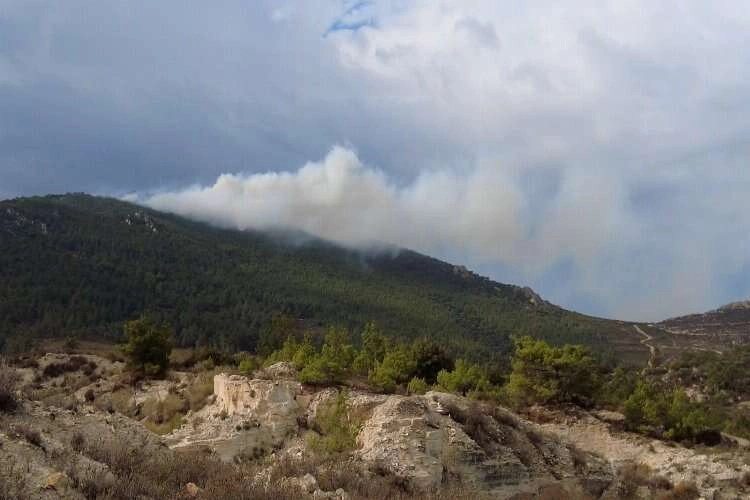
(248, 417)
(715, 475)
(270, 404)
(424, 438)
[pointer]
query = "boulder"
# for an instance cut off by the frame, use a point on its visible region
(192, 490)
(56, 481)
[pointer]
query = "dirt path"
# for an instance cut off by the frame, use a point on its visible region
(648, 338)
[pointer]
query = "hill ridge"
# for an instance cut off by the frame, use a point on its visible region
(79, 265)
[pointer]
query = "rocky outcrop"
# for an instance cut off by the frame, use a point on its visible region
(247, 417)
(716, 475)
(423, 439)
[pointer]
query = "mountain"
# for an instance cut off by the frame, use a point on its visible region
(713, 330)
(79, 265)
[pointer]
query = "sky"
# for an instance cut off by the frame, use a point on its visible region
(595, 151)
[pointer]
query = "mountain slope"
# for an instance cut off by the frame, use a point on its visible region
(714, 330)
(78, 265)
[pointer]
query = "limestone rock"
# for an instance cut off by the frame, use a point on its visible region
(192, 490)
(57, 481)
(306, 483)
(282, 370)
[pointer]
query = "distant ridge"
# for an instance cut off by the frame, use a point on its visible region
(79, 265)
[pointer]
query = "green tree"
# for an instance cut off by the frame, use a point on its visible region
(333, 363)
(462, 379)
(148, 345)
(397, 368)
(374, 347)
(430, 358)
(545, 374)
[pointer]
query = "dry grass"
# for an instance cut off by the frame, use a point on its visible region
(12, 479)
(199, 391)
(682, 491)
(29, 434)
(122, 402)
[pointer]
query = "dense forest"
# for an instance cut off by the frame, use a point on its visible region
(80, 266)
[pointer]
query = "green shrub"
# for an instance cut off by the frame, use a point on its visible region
(464, 379)
(248, 365)
(417, 386)
(338, 432)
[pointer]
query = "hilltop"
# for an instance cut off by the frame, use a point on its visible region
(716, 330)
(78, 266)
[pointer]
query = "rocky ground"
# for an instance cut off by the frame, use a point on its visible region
(84, 430)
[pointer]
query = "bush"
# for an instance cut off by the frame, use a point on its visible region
(464, 378)
(32, 436)
(78, 442)
(201, 388)
(417, 386)
(248, 365)
(73, 364)
(338, 432)
(122, 402)
(655, 409)
(148, 346)
(682, 491)
(8, 381)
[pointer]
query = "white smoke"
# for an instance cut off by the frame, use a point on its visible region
(482, 213)
(485, 215)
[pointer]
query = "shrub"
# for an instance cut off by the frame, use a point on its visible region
(165, 426)
(417, 386)
(248, 365)
(338, 432)
(682, 491)
(122, 402)
(201, 388)
(652, 407)
(73, 364)
(32, 436)
(78, 442)
(8, 381)
(164, 415)
(463, 379)
(89, 395)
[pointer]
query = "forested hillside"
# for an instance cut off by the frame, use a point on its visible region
(79, 266)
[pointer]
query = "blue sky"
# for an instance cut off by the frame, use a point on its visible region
(596, 152)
